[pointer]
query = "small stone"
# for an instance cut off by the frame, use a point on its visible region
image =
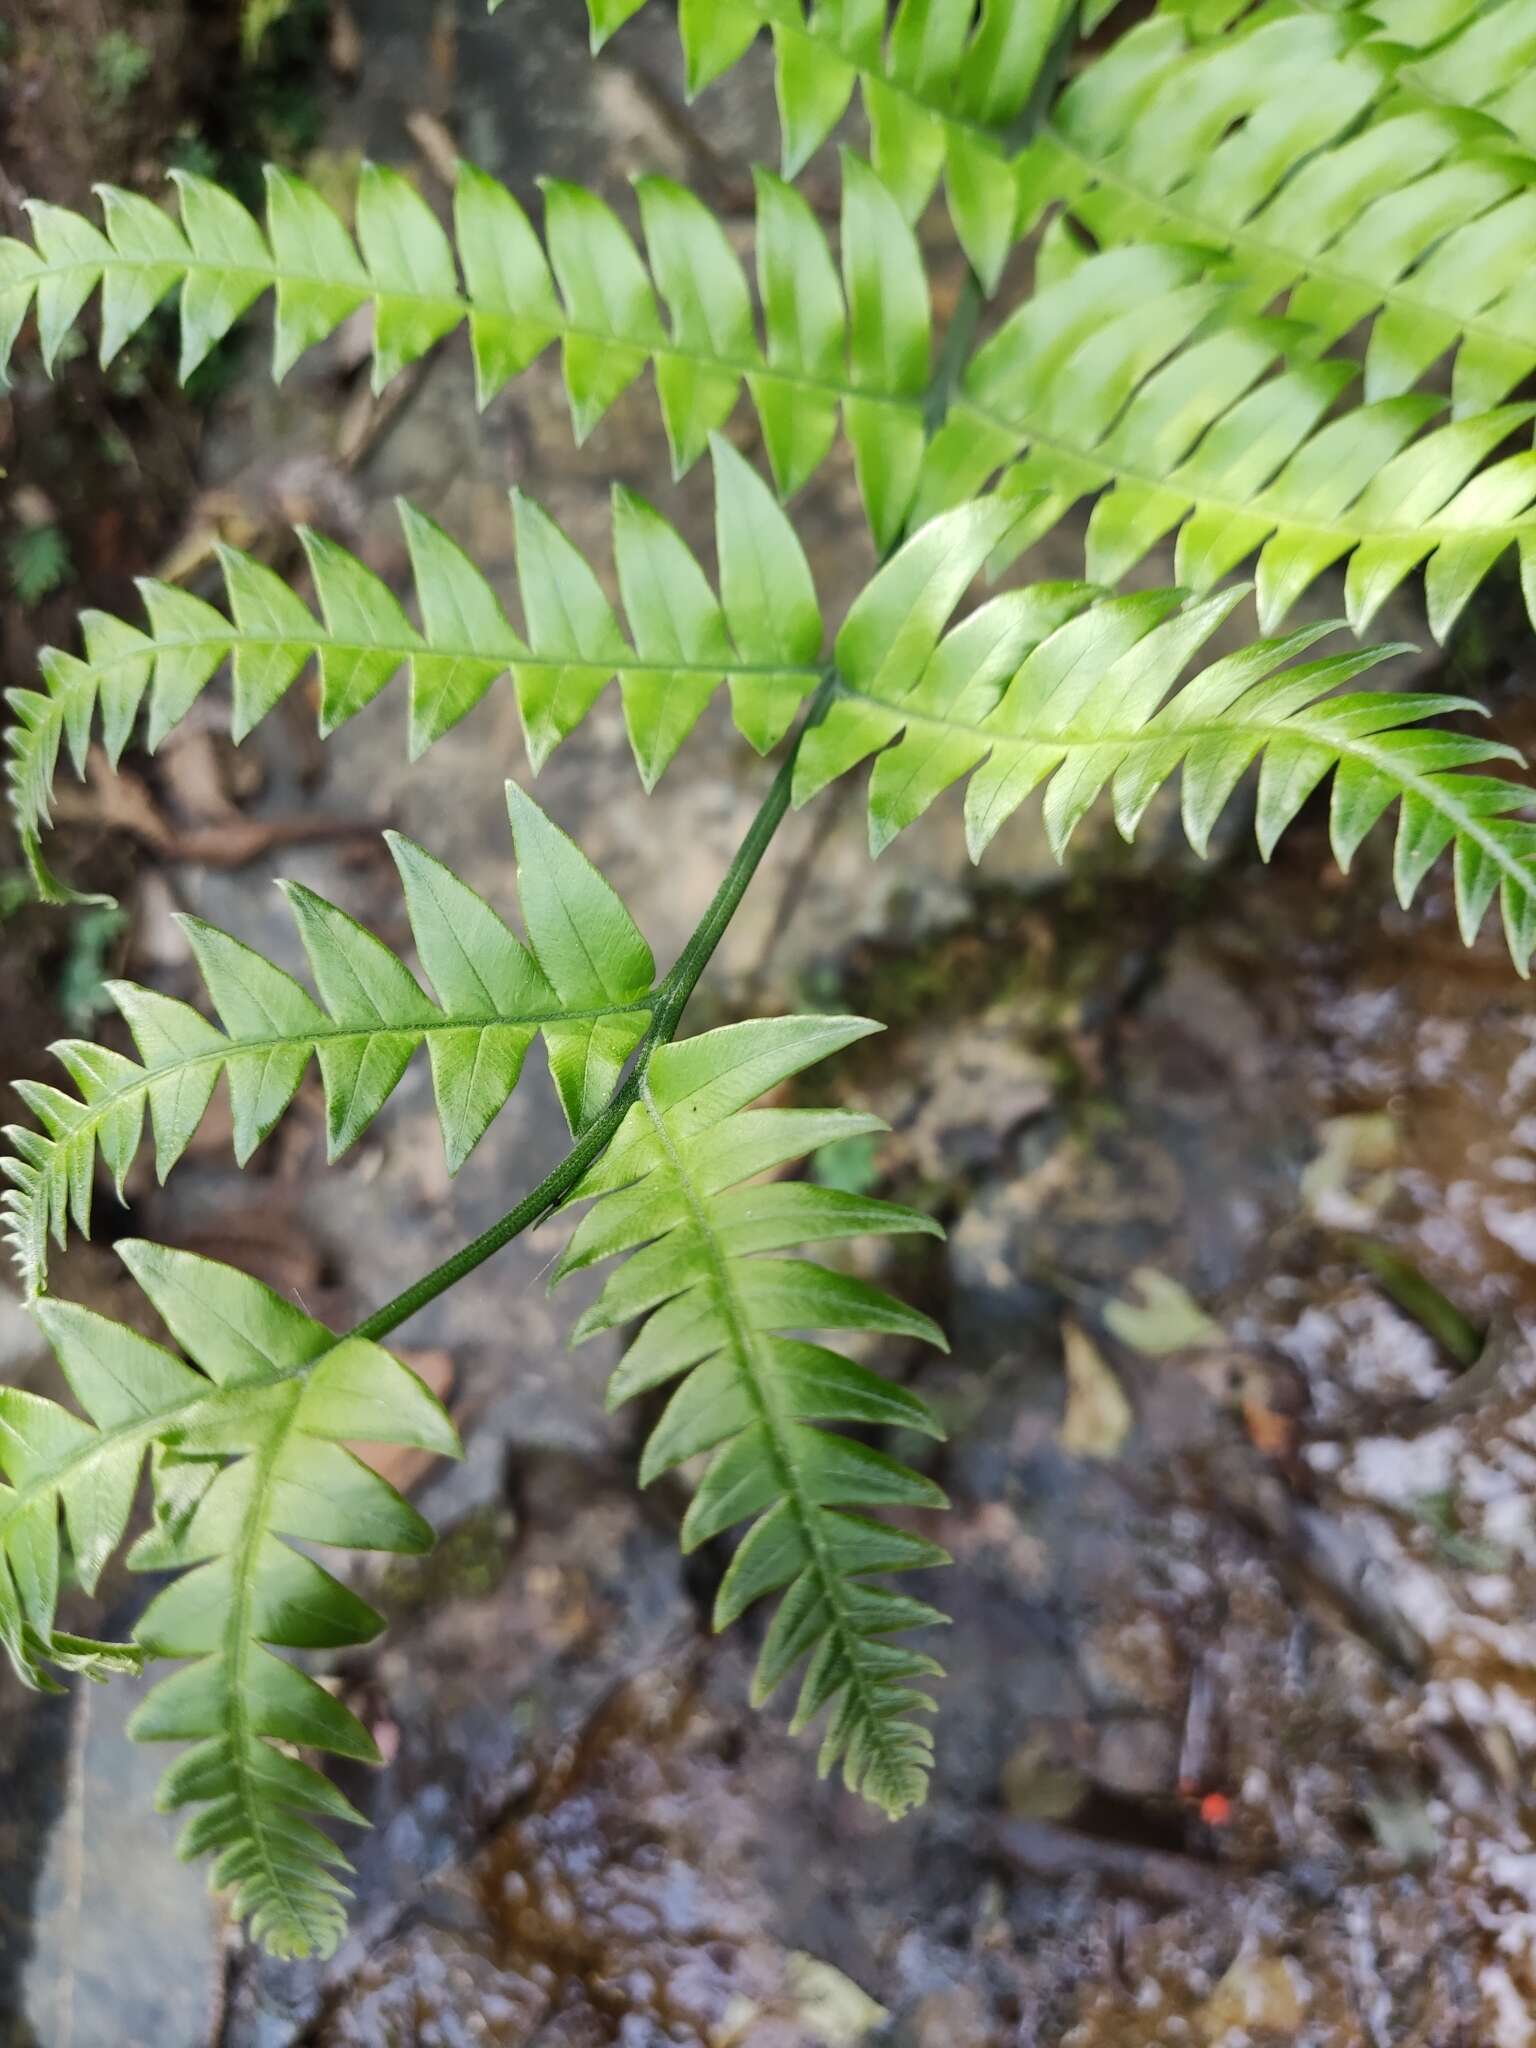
(1137, 1757)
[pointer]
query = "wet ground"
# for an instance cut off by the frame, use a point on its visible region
(1239, 1172)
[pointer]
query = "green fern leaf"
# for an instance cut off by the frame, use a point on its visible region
(248, 1452)
(584, 979)
(589, 289)
(762, 636)
(679, 1181)
(88, 1471)
(1132, 380)
(1475, 54)
(1469, 53)
(1300, 154)
(1288, 149)
(1061, 688)
(943, 86)
(946, 93)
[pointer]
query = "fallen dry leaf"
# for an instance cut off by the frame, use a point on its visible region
(1258, 1995)
(123, 802)
(1161, 1316)
(1098, 1416)
(270, 1241)
(1269, 1430)
(835, 2012)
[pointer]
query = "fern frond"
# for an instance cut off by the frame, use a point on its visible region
(1290, 156)
(943, 84)
(248, 1452)
(1475, 54)
(947, 85)
(678, 1181)
(859, 346)
(1063, 688)
(1469, 53)
(584, 980)
(1132, 380)
(761, 635)
(1288, 149)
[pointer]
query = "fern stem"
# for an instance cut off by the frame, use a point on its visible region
(670, 1001)
(548, 1195)
(955, 354)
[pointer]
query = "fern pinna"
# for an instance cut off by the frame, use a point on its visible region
(247, 1445)
(1247, 284)
(679, 1182)
(762, 635)
(495, 996)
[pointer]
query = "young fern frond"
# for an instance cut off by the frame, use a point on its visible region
(1265, 476)
(248, 1451)
(943, 92)
(856, 347)
(1284, 149)
(584, 979)
(1140, 374)
(762, 635)
(679, 1182)
(1132, 380)
(1060, 685)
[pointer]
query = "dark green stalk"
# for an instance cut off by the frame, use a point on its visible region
(549, 1194)
(673, 995)
(955, 354)
(667, 1013)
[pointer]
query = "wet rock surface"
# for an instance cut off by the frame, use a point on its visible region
(1237, 1742)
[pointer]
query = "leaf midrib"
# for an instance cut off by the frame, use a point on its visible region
(238, 1047)
(185, 1415)
(465, 308)
(1241, 236)
(1434, 789)
(1255, 507)
(898, 402)
(155, 647)
(238, 1644)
